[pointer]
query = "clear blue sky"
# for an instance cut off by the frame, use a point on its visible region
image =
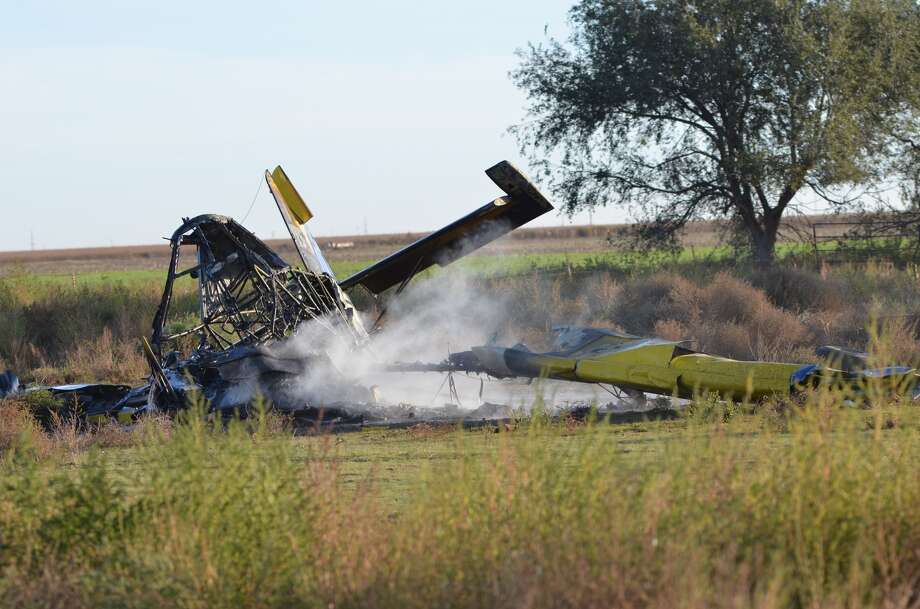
(117, 117)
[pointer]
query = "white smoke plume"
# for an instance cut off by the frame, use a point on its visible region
(425, 323)
(428, 321)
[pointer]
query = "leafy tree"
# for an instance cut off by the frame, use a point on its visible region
(683, 109)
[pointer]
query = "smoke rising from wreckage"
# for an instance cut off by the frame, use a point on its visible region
(268, 329)
(252, 302)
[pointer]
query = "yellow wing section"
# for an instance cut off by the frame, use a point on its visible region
(641, 365)
(295, 204)
(296, 214)
(752, 380)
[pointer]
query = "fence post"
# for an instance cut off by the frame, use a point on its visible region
(814, 243)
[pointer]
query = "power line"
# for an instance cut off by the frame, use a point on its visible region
(251, 205)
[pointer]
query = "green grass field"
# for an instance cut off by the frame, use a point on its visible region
(482, 264)
(133, 278)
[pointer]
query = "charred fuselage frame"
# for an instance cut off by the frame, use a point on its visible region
(250, 301)
(248, 295)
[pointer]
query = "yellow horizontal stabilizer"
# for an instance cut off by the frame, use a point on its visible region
(300, 213)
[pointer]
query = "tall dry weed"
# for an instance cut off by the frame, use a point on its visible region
(104, 359)
(63, 332)
(20, 432)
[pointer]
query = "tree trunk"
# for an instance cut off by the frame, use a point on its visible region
(763, 242)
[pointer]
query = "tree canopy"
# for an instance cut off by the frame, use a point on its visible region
(682, 109)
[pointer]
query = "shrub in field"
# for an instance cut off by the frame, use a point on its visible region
(724, 315)
(781, 314)
(533, 303)
(893, 341)
(14, 346)
(600, 291)
(43, 407)
(66, 318)
(644, 301)
(799, 290)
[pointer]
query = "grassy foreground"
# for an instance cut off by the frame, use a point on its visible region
(791, 506)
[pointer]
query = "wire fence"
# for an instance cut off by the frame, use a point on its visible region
(863, 240)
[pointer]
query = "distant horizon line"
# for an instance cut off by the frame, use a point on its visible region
(7, 256)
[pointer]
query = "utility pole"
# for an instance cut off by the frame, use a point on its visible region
(365, 225)
(32, 240)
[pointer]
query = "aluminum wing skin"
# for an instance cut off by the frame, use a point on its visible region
(296, 214)
(521, 203)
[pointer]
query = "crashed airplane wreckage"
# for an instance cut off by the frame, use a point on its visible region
(251, 302)
(634, 366)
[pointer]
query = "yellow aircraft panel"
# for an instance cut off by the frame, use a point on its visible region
(643, 366)
(292, 200)
(727, 376)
